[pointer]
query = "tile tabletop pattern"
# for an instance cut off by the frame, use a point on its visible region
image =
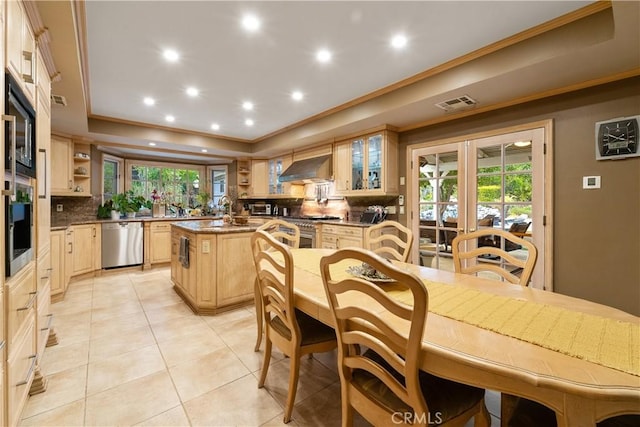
(131, 352)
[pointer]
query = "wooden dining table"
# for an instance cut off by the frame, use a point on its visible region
(581, 392)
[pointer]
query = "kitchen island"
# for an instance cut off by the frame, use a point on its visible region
(211, 264)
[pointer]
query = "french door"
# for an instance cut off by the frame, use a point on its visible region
(493, 181)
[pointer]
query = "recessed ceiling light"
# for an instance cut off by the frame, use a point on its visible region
(248, 122)
(192, 91)
(297, 95)
(170, 118)
(323, 55)
(399, 41)
(170, 55)
(215, 126)
(149, 101)
(251, 23)
(204, 150)
(153, 144)
(247, 105)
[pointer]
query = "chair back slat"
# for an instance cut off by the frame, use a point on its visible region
(390, 239)
(282, 231)
(488, 258)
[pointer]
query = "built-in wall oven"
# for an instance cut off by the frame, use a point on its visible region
(19, 237)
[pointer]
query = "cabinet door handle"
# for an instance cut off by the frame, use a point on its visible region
(46, 167)
(70, 185)
(46, 328)
(2, 344)
(30, 302)
(70, 248)
(33, 358)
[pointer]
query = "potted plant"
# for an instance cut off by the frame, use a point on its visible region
(120, 204)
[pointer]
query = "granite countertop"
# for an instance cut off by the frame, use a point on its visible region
(214, 227)
(64, 225)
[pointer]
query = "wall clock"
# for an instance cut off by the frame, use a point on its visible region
(617, 138)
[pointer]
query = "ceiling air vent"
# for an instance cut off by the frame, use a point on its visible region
(464, 101)
(58, 100)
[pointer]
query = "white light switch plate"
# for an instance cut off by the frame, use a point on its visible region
(590, 182)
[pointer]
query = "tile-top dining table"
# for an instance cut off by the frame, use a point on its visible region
(576, 382)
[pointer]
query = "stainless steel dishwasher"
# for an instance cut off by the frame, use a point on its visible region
(122, 244)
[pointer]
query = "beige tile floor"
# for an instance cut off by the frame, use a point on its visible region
(131, 352)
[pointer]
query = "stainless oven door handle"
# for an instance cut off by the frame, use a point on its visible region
(11, 192)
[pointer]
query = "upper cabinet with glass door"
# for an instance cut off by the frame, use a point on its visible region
(367, 164)
(275, 168)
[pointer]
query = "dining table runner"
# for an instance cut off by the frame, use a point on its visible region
(608, 342)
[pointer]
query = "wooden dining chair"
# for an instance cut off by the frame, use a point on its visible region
(515, 411)
(292, 331)
(384, 384)
(389, 239)
(486, 258)
(289, 234)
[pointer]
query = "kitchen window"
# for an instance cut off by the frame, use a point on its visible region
(178, 184)
(111, 176)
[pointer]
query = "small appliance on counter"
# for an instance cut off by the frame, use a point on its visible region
(373, 215)
(260, 209)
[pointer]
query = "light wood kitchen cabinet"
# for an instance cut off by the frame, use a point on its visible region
(184, 277)
(61, 156)
(233, 250)
(43, 141)
(367, 164)
(20, 48)
(20, 370)
(81, 169)
(58, 273)
(159, 242)
(243, 177)
(72, 163)
(21, 294)
(84, 249)
(260, 178)
(275, 167)
(341, 236)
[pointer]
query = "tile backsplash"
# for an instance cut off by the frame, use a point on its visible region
(74, 209)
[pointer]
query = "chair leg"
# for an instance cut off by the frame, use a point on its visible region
(259, 314)
(265, 362)
(294, 373)
(482, 418)
(347, 409)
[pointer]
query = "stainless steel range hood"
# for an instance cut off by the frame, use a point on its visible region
(308, 170)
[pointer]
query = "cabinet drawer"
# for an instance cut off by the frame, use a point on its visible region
(20, 370)
(332, 229)
(43, 319)
(160, 226)
(342, 230)
(21, 299)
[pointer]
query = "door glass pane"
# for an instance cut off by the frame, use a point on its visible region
(489, 188)
(438, 195)
(357, 165)
(374, 161)
(518, 187)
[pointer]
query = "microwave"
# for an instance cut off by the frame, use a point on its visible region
(260, 209)
(20, 137)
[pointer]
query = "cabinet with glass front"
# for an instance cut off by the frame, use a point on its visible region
(367, 164)
(275, 168)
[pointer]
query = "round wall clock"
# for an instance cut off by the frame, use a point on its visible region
(617, 138)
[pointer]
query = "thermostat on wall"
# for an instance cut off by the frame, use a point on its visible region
(590, 182)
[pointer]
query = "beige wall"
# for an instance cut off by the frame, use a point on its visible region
(597, 232)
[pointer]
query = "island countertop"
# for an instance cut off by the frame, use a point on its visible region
(215, 227)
